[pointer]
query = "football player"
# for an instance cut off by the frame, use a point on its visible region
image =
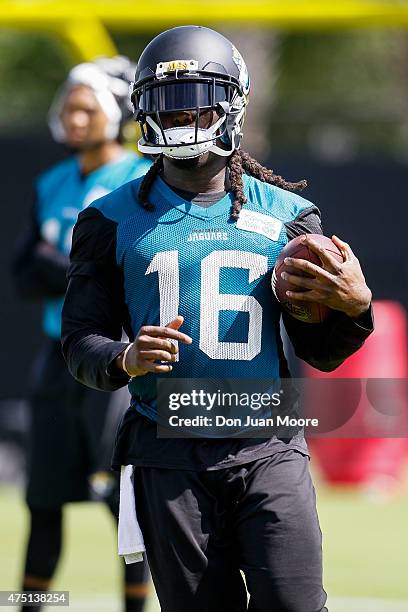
(181, 259)
(87, 115)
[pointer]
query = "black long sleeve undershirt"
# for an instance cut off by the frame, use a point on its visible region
(38, 273)
(95, 312)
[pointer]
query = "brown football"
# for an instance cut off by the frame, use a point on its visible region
(309, 312)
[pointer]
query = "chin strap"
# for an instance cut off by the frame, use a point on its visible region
(184, 146)
(236, 135)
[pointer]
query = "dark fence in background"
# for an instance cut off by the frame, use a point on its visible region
(363, 202)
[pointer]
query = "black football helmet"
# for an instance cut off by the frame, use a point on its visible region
(195, 69)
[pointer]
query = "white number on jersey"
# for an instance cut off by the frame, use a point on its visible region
(166, 264)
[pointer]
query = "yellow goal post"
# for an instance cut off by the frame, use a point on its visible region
(85, 25)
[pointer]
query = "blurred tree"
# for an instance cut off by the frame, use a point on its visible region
(341, 94)
(31, 68)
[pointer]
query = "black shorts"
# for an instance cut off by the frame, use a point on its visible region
(68, 438)
(202, 528)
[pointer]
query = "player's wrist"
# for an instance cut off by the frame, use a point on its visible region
(122, 363)
(359, 309)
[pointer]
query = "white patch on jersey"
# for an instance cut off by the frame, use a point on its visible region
(69, 212)
(95, 193)
(252, 221)
(50, 231)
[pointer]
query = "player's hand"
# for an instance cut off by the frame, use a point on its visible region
(153, 344)
(340, 286)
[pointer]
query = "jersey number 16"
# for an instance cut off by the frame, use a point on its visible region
(166, 264)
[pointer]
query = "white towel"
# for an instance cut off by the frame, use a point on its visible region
(130, 539)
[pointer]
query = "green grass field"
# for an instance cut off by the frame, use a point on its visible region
(365, 543)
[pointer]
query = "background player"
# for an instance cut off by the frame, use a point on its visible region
(222, 505)
(68, 438)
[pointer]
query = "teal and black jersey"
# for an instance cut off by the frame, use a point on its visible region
(131, 267)
(61, 193)
(189, 260)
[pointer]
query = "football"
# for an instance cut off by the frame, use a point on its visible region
(308, 312)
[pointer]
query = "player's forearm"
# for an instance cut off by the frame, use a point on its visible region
(51, 267)
(93, 313)
(327, 345)
(89, 358)
(39, 269)
(39, 275)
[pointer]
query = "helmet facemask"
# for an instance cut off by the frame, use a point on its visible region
(172, 91)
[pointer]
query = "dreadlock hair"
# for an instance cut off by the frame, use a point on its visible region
(239, 162)
(148, 181)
